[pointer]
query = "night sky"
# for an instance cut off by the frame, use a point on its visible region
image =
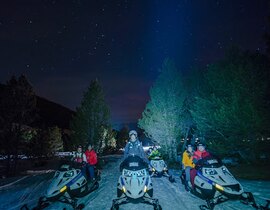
(62, 45)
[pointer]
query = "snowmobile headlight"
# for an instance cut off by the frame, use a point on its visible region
(63, 189)
(210, 171)
(219, 187)
(69, 174)
(124, 189)
(145, 189)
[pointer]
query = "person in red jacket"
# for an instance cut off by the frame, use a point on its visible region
(199, 154)
(91, 159)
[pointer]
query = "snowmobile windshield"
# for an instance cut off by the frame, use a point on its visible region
(133, 163)
(64, 168)
(210, 162)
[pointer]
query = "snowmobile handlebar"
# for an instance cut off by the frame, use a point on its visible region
(207, 162)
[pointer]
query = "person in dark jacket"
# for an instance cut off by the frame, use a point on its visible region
(134, 147)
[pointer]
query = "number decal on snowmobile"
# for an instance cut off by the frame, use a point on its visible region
(133, 164)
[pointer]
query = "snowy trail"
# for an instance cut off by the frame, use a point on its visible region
(170, 195)
(173, 195)
(26, 190)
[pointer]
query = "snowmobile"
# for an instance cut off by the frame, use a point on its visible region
(134, 184)
(67, 185)
(215, 184)
(158, 168)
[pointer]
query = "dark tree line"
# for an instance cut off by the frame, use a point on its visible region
(231, 107)
(18, 112)
(225, 104)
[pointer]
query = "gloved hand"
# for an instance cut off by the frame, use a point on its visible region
(194, 160)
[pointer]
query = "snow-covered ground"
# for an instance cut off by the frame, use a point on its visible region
(171, 195)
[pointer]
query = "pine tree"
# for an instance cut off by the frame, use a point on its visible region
(192, 81)
(55, 140)
(107, 139)
(122, 137)
(161, 119)
(90, 117)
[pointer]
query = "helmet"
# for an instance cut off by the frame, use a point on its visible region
(201, 144)
(133, 132)
(189, 145)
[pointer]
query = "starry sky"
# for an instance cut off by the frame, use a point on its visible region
(61, 45)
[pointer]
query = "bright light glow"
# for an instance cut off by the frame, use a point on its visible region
(63, 189)
(124, 189)
(145, 189)
(219, 187)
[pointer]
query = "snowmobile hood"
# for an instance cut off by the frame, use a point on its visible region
(223, 178)
(63, 177)
(135, 182)
(159, 165)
